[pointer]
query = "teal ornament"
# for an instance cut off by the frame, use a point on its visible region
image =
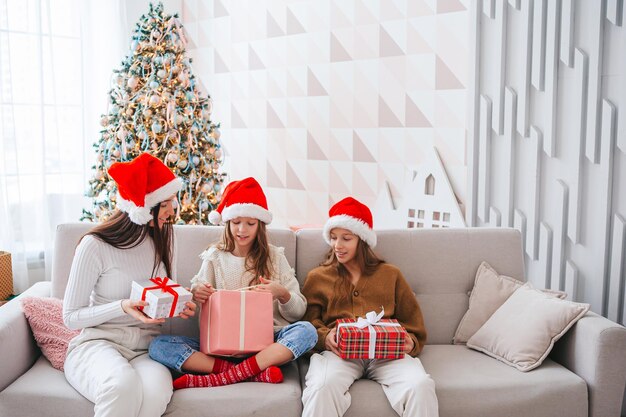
(154, 85)
(190, 96)
(156, 127)
(134, 45)
(204, 205)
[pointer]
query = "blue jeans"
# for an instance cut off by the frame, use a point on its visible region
(173, 351)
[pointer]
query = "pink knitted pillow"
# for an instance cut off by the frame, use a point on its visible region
(45, 316)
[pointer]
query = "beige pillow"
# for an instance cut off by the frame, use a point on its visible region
(490, 291)
(522, 332)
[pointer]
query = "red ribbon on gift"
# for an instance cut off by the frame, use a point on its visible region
(165, 286)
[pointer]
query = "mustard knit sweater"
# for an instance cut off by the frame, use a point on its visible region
(386, 287)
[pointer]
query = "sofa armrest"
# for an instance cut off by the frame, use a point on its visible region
(18, 347)
(595, 349)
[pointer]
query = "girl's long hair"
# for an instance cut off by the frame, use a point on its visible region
(258, 261)
(121, 233)
(365, 258)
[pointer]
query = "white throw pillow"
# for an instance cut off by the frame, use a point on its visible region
(522, 332)
(490, 291)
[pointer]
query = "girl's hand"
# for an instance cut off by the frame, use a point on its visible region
(409, 344)
(131, 307)
(279, 292)
(202, 292)
(188, 311)
(331, 342)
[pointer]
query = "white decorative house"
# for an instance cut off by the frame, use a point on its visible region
(427, 200)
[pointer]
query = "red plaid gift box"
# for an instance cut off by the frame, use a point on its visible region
(370, 338)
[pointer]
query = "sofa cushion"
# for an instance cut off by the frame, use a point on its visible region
(471, 384)
(490, 291)
(522, 332)
(56, 397)
(45, 317)
(43, 391)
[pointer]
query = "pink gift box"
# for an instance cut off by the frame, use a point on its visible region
(236, 322)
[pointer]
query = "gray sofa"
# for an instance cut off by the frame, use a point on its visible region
(584, 376)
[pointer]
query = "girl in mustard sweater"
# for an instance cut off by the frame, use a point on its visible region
(352, 282)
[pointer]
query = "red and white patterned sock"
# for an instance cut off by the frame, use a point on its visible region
(272, 375)
(221, 365)
(233, 375)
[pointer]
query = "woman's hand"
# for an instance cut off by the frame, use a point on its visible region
(131, 307)
(331, 342)
(202, 292)
(279, 292)
(188, 311)
(409, 344)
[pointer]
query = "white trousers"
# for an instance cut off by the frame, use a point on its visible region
(409, 389)
(112, 369)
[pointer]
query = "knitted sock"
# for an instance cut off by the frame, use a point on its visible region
(234, 374)
(272, 375)
(221, 365)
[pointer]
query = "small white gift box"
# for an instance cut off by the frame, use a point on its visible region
(165, 297)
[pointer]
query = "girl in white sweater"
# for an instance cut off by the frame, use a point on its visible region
(243, 258)
(108, 361)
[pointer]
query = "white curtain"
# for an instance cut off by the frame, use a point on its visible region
(56, 58)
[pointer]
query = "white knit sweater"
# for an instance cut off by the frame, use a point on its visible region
(223, 270)
(100, 278)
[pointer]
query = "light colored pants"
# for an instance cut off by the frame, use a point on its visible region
(111, 368)
(409, 389)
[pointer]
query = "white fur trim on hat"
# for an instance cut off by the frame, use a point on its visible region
(356, 226)
(162, 193)
(246, 210)
(141, 215)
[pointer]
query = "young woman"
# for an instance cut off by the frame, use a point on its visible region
(108, 361)
(243, 258)
(350, 283)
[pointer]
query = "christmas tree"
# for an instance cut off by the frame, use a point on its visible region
(155, 106)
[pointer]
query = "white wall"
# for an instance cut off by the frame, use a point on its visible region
(547, 148)
(323, 99)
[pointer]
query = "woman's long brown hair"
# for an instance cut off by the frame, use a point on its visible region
(366, 259)
(258, 261)
(121, 233)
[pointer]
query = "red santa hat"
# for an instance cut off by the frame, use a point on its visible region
(244, 198)
(143, 183)
(354, 216)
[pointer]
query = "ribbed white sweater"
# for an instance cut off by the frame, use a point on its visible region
(100, 278)
(223, 270)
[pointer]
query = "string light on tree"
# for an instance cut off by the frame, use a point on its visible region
(155, 106)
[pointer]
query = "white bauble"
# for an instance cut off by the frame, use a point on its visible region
(154, 100)
(132, 82)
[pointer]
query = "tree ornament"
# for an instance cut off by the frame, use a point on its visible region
(155, 100)
(132, 82)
